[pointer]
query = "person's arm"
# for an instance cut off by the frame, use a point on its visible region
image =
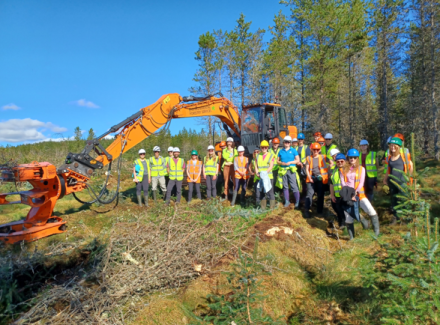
(187, 174)
(236, 166)
(280, 162)
(332, 193)
(198, 175)
(296, 161)
(203, 170)
(308, 172)
(149, 171)
(134, 174)
(168, 169)
(270, 166)
(342, 178)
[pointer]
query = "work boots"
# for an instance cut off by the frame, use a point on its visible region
(350, 228)
(286, 205)
(234, 197)
(243, 198)
(263, 204)
(375, 222)
(139, 200)
(272, 204)
(365, 223)
(154, 195)
(146, 199)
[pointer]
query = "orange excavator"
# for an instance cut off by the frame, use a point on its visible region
(50, 184)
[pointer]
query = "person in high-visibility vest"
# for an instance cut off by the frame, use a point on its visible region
(158, 172)
(399, 163)
(321, 142)
(263, 169)
(252, 169)
(335, 189)
(332, 164)
(317, 177)
(274, 151)
(303, 152)
(241, 167)
(210, 172)
(175, 168)
(354, 177)
(287, 175)
(228, 154)
(142, 177)
(368, 160)
(329, 145)
(194, 172)
(167, 177)
(317, 135)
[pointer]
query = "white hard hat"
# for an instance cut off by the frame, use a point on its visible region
(328, 136)
(141, 151)
(211, 148)
(363, 142)
(240, 148)
(156, 148)
(229, 139)
(175, 149)
(334, 152)
(294, 140)
(288, 138)
(170, 149)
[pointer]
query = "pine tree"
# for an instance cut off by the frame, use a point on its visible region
(91, 134)
(78, 134)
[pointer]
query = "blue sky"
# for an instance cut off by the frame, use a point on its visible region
(93, 63)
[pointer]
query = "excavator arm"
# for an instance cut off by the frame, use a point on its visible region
(51, 184)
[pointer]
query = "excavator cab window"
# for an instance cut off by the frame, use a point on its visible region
(251, 118)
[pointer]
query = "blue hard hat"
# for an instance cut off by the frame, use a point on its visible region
(363, 143)
(301, 136)
(353, 153)
(340, 156)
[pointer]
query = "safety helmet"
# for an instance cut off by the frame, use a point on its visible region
(321, 139)
(240, 148)
(264, 143)
(141, 151)
(176, 149)
(229, 139)
(340, 156)
(211, 148)
(353, 153)
(389, 139)
(397, 141)
(294, 140)
(328, 136)
(194, 152)
(223, 144)
(276, 140)
(334, 152)
(315, 146)
(400, 136)
(287, 138)
(301, 136)
(257, 149)
(156, 148)
(170, 149)
(363, 143)
(317, 134)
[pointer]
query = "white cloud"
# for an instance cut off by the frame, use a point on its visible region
(11, 106)
(25, 130)
(84, 103)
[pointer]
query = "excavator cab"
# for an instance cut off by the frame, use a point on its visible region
(264, 122)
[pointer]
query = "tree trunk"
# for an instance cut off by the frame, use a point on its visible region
(433, 104)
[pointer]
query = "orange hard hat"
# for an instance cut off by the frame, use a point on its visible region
(321, 139)
(223, 144)
(315, 145)
(276, 140)
(400, 136)
(317, 134)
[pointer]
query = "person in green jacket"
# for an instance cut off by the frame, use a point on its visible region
(228, 155)
(158, 168)
(142, 177)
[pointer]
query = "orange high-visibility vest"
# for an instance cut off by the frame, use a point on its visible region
(322, 168)
(194, 170)
(406, 157)
(357, 179)
(242, 167)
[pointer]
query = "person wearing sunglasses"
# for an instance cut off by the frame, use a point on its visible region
(287, 174)
(354, 177)
(142, 177)
(335, 188)
(328, 147)
(210, 172)
(317, 177)
(399, 163)
(228, 154)
(265, 164)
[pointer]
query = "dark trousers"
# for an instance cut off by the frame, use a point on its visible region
(167, 180)
(240, 183)
(369, 187)
(337, 207)
(261, 193)
(191, 186)
(394, 190)
(211, 188)
(144, 185)
(170, 187)
(318, 188)
(219, 183)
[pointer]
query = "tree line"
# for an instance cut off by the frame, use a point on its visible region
(358, 69)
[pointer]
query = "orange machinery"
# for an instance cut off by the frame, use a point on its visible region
(51, 184)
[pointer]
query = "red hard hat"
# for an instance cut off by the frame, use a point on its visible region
(317, 134)
(400, 136)
(315, 145)
(276, 140)
(321, 139)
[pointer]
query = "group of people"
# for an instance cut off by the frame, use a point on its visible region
(295, 168)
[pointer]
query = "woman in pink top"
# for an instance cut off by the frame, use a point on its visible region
(354, 177)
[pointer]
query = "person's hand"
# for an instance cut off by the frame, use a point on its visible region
(385, 181)
(333, 199)
(311, 180)
(149, 180)
(214, 177)
(204, 176)
(136, 180)
(353, 198)
(300, 164)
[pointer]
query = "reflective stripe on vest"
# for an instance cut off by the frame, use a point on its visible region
(176, 170)
(406, 160)
(167, 163)
(370, 164)
(241, 163)
(327, 153)
(282, 172)
(302, 154)
(322, 168)
(336, 181)
(211, 165)
(357, 181)
(140, 174)
(157, 168)
(263, 164)
(275, 160)
(194, 170)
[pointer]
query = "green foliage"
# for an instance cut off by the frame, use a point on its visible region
(91, 134)
(240, 304)
(78, 134)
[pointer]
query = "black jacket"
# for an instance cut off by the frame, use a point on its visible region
(347, 193)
